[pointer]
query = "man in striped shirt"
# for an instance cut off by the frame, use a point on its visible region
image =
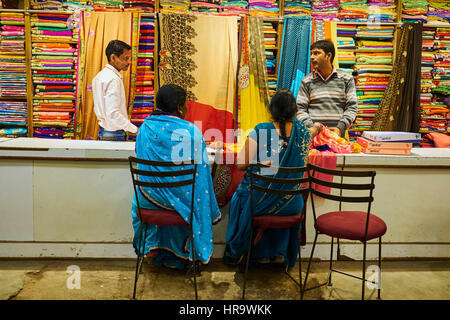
(327, 95)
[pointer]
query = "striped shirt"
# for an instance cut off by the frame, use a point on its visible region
(330, 101)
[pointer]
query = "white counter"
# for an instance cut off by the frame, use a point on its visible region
(71, 198)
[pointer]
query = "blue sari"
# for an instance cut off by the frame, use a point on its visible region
(168, 138)
(274, 242)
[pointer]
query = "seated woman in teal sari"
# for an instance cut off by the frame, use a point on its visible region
(166, 136)
(285, 143)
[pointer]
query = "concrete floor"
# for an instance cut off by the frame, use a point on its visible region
(114, 279)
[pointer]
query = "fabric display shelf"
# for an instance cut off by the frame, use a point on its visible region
(346, 47)
(352, 10)
(12, 55)
(53, 66)
(372, 69)
(296, 8)
(438, 11)
(324, 10)
(271, 51)
(381, 11)
(108, 5)
(435, 81)
(263, 8)
(144, 97)
(211, 7)
(72, 5)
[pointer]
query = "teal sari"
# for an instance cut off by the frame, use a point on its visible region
(274, 242)
(169, 138)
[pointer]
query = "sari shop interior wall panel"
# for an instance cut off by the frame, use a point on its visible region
(143, 101)
(13, 75)
(53, 65)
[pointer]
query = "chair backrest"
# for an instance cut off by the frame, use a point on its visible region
(275, 182)
(136, 173)
(313, 169)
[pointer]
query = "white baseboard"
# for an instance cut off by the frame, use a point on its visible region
(125, 250)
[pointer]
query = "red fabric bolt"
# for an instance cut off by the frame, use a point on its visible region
(350, 225)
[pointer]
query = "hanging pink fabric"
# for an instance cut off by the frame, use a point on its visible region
(324, 159)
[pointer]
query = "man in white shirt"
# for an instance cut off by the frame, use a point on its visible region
(109, 94)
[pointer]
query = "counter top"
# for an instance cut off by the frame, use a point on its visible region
(36, 148)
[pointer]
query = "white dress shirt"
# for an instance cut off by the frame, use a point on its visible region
(110, 101)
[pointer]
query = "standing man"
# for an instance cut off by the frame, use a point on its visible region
(327, 95)
(109, 94)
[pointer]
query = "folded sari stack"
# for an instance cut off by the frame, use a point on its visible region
(381, 11)
(77, 5)
(13, 118)
(174, 6)
(46, 4)
(144, 98)
(346, 52)
(438, 11)
(373, 68)
(295, 8)
(12, 55)
(435, 118)
(263, 8)
(51, 26)
(271, 47)
(107, 5)
(234, 7)
(352, 10)
(325, 10)
(211, 7)
(414, 10)
(427, 64)
(142, 5)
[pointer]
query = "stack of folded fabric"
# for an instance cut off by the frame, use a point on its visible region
(263, 8)
(325, 10)
(373, 67)
(381, 11)
(144, 97)
(414, 10)
(352, 10)
(77, 5)
(141, 5)
(271, 49)
(346, 47)
(174, 6)
(297, 8)
(46, 4)
(234, 7)
(107, 5)
(210, 7)
(54, 78)
(12, 55)
(13, 118)
(438, 11)
(426, 78)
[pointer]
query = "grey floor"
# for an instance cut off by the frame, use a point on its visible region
(114, 279)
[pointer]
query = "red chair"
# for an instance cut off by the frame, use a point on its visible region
(262, 222)
(351, 225)
(161, 217)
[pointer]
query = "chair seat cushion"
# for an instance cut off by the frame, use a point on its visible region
(162, 217)
(350, 225)
(263, 222)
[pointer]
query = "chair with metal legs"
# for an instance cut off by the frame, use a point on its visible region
(161, 217)
(267, 221)
(350, 225)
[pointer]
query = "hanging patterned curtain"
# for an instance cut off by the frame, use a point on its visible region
(98, 29)
(399, 109)
(253, 86)
(295, 53)
(199, 53)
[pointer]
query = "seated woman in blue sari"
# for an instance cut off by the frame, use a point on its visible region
(166, 136)
(284, 142)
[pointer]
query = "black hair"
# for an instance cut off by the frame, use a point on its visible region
(327, 46)
(283, 107)
(116, 47)
(170, 97)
